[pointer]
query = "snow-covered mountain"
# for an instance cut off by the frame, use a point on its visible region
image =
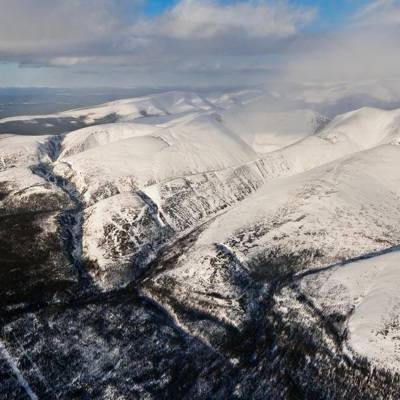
(267, 130)
(162, 240)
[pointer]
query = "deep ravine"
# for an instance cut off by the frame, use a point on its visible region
(70, 220)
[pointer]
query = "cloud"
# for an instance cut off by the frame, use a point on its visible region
(366, 49)
(206, 19)
(379, 13)
(81, 32)
(41, 28)
(199, 41)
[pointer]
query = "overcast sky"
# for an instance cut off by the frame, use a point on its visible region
(128, 43)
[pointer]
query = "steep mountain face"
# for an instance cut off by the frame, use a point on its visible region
(166, 255)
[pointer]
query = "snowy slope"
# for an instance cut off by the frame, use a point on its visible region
(366, 293)
(367, 127)
(100, 135)
(159, 104)
(346, 134)
(195, 144)
(135, 156)
(119, 232)
(337, 211)
(16, 150)
(267, 131)
(140, 108)
(22, 189)
(241, 98)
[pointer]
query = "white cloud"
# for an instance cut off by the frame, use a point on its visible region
(73, 32)
(41, 27)
(207, 40)
(366, 49)
(379, 13)
(204, 19)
